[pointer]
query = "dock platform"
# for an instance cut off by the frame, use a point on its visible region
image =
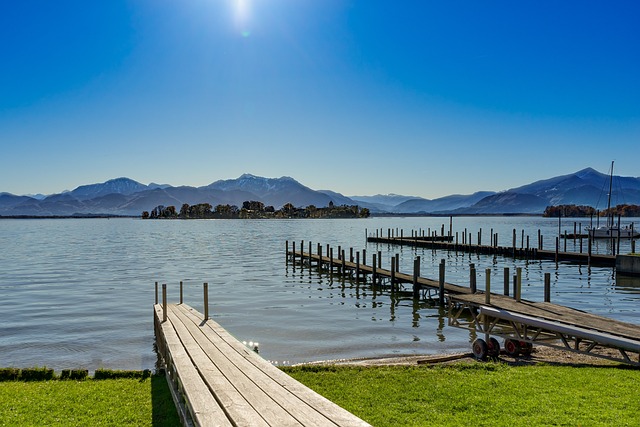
(218, 381)
(515, 252)
(520, 322)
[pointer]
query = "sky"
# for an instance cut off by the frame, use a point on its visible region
(362, 97)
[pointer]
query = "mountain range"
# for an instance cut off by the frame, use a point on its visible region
(124, 196)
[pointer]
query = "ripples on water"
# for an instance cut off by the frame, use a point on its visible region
(79, 292)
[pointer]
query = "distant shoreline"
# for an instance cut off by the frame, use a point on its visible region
(381, 215)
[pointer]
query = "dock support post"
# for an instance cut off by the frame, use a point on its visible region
(416, 274)
(364, 257)
(557, 248)
(164, 302)
(293, 254)
(319, 256)
(506, 281)
(472, 278)
(393, 273)
(374, 264)
(351, 254)
(156, 293)
(205, 288)
(181, 292)
(514, 243)
(589, 250)
(330, 251)
(547, 287)
(397, 263)
(487, 286)
(309, 253)
(441, 284)
(379, 259)
(343, 269)
(519, 287)
(357, 266)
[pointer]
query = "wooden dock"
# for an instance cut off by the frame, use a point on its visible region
(513, 251)
(519, 321)
(218, 381)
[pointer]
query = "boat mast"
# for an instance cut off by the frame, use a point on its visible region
(610, 214)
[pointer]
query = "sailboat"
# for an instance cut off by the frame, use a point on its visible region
(611, 230)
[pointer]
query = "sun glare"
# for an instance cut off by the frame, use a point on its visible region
(241, 9)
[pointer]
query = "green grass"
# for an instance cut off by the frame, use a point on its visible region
(481, 394)
(110, 402)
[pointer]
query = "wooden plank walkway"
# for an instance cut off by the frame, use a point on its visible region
(524, 253)
(224, 383)
(556, 313)
(579, 331)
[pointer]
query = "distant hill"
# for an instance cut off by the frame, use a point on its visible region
(124, 196)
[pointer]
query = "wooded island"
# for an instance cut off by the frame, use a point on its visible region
(254, 210)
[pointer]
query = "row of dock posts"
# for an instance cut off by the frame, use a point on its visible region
(376, 265)
(205, 291)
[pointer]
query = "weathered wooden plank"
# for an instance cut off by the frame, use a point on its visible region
(225, 391)
(204, 409)
(307, 405)
(236, 363)
(557, 313)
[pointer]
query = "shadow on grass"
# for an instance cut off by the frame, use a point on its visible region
(163, 409)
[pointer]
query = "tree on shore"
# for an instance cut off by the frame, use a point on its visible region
(256, 210)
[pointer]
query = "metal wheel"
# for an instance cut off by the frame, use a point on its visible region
(493, 347)
(526, 348)
(479, 349)
(511, 347)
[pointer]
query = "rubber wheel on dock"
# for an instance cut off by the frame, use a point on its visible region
(511, 347)
(493, 348)
(479, 349)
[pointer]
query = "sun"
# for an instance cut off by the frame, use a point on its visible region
(241, 14)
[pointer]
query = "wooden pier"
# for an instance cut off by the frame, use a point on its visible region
(513, 251)
(218, 381)
(520, 322)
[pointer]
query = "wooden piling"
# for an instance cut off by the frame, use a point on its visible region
(164, 302)
(547, 287)
(393, 273)
(506, 281)
(357, 266)
(397, 263)
(519, 287)
(441, 284)
(487, 286)
(472, 278)
(205, 288)
(373, 270)
(364, 257)
(181, 292)
(380, 259)
(293, 253)
(156, 293)
(416, 274)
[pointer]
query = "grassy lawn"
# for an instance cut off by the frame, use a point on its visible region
(481, 394)
(111, 402)
(475, 394)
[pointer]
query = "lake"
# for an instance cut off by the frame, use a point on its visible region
(78, 293)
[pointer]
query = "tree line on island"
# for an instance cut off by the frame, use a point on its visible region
(254, 210)
(581, 211)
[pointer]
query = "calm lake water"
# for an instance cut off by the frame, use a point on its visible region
(79, 292)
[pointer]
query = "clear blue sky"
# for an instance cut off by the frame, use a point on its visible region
(419, 97)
